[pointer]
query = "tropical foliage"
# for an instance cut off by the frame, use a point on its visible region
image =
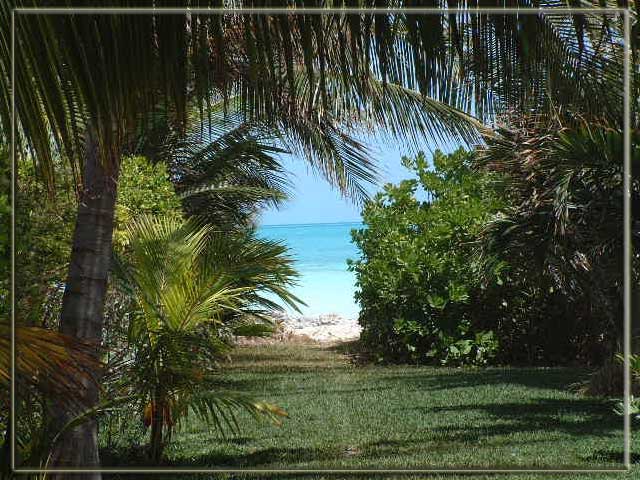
(192, 289)
(49, 365)
(93, 110)
(227, 176)
(560, 237)
(144, 188)
(89, 87)
(468, 61)
(43, 233)
(523, 239)
(5, 221)
(416, 278)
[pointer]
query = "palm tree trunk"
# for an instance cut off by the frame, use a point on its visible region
(83, 303)
(157, 425)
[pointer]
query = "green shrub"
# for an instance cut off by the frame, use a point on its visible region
(634, 402)
(417, 273)
(144, 188)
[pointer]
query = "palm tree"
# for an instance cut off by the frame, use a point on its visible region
(48, 364)
(86, 82)
(226, 176)
(192, 287)
(562, 230)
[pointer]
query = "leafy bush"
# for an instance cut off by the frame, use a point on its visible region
(417, 273)
(43, 228)
(143, 188)
(523, 239)
(634, 402)
(5, 221)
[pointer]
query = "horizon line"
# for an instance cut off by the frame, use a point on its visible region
(308, 224)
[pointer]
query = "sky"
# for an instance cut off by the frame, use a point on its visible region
(313, 199)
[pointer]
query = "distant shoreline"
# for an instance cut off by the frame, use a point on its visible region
(321, 328)
(320, 252)
(293, 225)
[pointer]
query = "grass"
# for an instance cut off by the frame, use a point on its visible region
(343, 416)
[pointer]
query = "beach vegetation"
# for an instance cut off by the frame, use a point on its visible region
(514, 256)
(144, 188)
(560, 239)
(228, 177)
(90, 87)
(418, 277)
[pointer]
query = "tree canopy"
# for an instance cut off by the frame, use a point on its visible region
(110, 70)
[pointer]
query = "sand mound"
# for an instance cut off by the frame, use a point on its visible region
(322, 328)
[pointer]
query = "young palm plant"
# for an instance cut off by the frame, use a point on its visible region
(193, 288)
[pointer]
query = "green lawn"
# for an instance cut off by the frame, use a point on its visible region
(343, 416)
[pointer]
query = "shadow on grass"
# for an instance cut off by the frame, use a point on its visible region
(423, 378)
(257, 386)
(353, 350)
(589, 418)
(613, 456)
(577, 417)
(272, 458)
(369, 455)
(442, 378)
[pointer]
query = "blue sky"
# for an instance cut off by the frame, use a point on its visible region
(313, 199)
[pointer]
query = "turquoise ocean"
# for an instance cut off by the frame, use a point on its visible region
(320, 251)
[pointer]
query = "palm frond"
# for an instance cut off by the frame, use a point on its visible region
(221, 409)
(561, 182)
(110, 71)
(59, 365)
(226, 179)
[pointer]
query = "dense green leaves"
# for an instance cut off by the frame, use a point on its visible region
(519, 245)
(43, 232)
(47, 362)
(143, 189)
(417, 274)
(107, 71)
(105, 75)
(5, 222)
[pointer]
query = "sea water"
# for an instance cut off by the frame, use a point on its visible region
(320, 252)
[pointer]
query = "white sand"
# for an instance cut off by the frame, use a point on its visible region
(323, 328)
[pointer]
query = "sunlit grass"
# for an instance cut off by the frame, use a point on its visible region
(344, 416)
